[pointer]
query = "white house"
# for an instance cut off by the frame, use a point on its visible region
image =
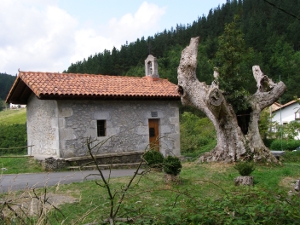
(16, 106)
(284, 114)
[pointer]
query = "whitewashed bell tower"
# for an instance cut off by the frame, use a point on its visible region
(151, 67)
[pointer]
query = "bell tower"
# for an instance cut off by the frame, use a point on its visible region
(151, 67)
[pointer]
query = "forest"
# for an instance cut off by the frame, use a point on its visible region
(6, 81)
(270, 30)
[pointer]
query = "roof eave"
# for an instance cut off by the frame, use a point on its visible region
(104, 97)
(19, 92)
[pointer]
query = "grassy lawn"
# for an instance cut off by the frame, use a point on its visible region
(19, 165)
(206, 195)
(16, 116)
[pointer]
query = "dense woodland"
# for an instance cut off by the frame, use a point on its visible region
(270, 32)
(6, 81)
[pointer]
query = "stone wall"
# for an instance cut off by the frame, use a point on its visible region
(61, 128)
(42, 127)
(126, 126)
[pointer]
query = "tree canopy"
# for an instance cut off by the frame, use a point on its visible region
(267, 35)
(272, 34)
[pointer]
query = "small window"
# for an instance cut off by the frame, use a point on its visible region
(101, 128)
(154, 114)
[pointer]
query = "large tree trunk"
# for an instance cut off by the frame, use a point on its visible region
(232, 143)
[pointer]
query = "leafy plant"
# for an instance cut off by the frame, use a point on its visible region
(290, 144)
(197, 135)
(12, 137)
(172, 165)
(153, 158)
(244, 168)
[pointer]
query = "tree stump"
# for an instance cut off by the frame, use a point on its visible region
(170, 178)
(243, 180)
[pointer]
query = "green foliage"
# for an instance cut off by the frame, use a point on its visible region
(6, 82)
(172, 165)
(234, 61)
(265, 124)
(153, 158)
(244, 168)
(290, 156)
(286, 131)
(2, 104)
(197, 135)
(13, 136)
(290, 144)
(277, 136)
(270, 35)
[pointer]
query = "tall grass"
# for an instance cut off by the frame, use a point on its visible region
(13, 136)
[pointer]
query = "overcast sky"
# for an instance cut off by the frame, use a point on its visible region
(49, 35)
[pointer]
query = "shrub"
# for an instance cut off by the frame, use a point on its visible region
(13, 136)
(291, 156)
(153, 158)
(285, 144)
(195, 134)
(244, 168)
(172, 165)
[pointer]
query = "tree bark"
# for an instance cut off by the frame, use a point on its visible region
(243, 180)
(232, 144)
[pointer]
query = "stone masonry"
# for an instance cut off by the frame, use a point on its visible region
(60, 128)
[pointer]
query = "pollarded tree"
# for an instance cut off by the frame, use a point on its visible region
(232, 143)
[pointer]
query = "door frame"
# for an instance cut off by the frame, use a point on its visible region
(153, 127)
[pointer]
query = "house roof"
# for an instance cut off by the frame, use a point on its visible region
(46, 85)
(285, 105)
(275, 106)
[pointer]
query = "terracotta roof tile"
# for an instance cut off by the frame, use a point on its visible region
(45, 84)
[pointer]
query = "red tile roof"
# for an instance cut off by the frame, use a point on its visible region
(78, 86)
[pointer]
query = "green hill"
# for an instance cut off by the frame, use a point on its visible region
(13, 131)
(16, 116)
(6, 81)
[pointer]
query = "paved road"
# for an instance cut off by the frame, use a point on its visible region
(23, 181)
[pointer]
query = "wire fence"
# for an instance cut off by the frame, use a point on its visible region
(14, 151)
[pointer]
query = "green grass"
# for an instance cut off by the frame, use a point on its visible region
(206, 195)
(19, 165)
(16, 116)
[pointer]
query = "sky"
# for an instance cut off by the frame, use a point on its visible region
(49, 35)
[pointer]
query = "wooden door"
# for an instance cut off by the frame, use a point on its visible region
(154, 134)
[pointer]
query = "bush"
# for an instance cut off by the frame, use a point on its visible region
(244, 168)
(195, 134)
(172, 165)
(13, 136)
(153, 158)
(285, 144)
(291, 156)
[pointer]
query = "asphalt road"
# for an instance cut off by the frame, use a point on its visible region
(34, 180)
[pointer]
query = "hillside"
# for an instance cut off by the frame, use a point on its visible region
(270, 32)
(9, 117)
(6, 82)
